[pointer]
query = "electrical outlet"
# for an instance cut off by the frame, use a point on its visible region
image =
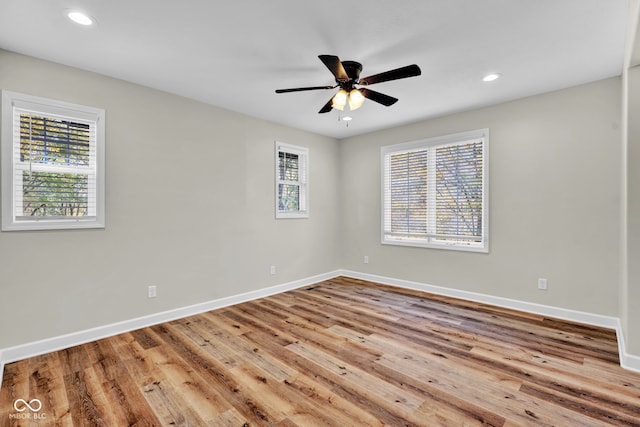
(151, 291)
(273, 270)
(366, 259)
(542, 283)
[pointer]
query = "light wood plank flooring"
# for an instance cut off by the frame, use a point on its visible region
(343, 353)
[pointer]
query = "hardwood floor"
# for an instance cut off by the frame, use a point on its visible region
(344, 353)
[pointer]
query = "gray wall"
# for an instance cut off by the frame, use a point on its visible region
(630, 184)
(554, 163)
(631, 314)
(190, 209)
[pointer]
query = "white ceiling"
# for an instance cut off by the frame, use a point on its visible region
(234, 54)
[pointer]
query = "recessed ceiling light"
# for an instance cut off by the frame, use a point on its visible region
(347, 119)
(80, 18)
(491, 77)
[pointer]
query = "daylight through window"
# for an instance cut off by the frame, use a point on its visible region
(291, 181)
(434, 192)
(52, 178)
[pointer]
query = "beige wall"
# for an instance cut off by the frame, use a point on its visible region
(554, 163)
(190, 209)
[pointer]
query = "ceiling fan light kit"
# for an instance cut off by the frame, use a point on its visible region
(347, 77)
(339, 100)
(356, 99)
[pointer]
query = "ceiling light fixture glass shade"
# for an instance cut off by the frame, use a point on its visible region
(340, 100)
(356, 99)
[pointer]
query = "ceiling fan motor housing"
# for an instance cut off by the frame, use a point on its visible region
(353, 70)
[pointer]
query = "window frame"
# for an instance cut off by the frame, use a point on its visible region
(432, 144)
(48, 108)
(302, 182)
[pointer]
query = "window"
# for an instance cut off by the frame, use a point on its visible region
(52, 164)
(292, 180)
(435, 192)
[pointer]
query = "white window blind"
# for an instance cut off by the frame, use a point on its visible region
(292, 164)
(52, 164)
(434, 192)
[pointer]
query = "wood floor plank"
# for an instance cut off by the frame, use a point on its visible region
(342, 352)
(169, 406)
(75, 368)
(247, 353)
(307, 385)
(118, 386)
(198, 398)
(49, 387)
(212, 370)
(214, 342)
(571, 375)
(487, 390)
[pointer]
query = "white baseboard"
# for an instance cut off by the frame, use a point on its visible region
(36, 348)
(627, 361)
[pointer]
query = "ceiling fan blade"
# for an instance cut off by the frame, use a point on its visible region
(334, 65)
(398, 73)
(300, 89)
(378, 97)
(327, 107)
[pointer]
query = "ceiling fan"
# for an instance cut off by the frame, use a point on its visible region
(347, 75)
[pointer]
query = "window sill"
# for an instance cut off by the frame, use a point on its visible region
(292, 215)
(430, 245)
(44, 224)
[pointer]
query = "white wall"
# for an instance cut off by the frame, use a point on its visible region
(190, 209)
(554, 164)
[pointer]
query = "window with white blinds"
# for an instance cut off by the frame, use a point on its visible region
(52, 164)
(435, 192)
(292, 177)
